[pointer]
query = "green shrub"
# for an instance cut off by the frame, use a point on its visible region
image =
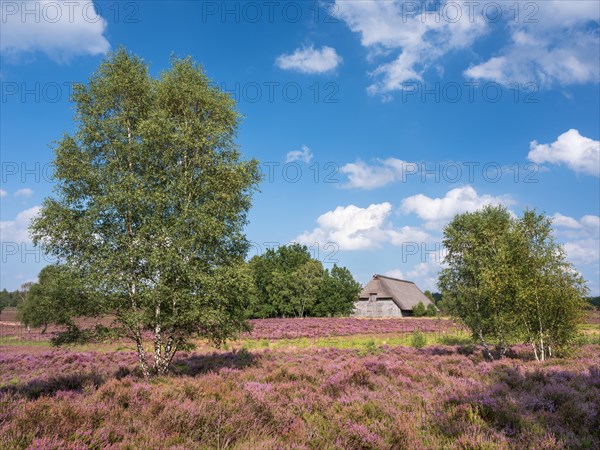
(418, 339)
(419, 310)
(431, 310)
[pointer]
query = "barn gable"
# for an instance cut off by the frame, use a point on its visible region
(389, 297)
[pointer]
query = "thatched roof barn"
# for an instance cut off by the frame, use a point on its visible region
(389, 297)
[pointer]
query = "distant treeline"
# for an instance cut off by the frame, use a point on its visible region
(13, 298)
(288, 282)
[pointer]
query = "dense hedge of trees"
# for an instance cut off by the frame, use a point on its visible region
(288, 282)
(8, 298)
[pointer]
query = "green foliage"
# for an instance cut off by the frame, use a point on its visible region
(418, 339)
(150, 203)
(507, 280)
(8, 299)
(594, 301)
(56, 298)
(431, 310)
(419, 310)
(337, 293)
(473, 283)
(549, 292)
(289, 283)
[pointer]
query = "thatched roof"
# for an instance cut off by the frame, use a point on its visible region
(405, 294)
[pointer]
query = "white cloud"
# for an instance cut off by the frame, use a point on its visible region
(3, 193)
(437, 211)
(559, 46)
(424, 274)
(406, 234)
(582, 237)
(555, 43)
(25, 192)
(584, 251)
(395, 273)
(364, 176)
(354, 228)
(418, 40)
(310, 60)
(558, 220)
(61, 30)
(17, 230)
(577, 152)
(299, 155)
(591, 223)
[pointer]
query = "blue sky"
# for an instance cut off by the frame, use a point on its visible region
(375, 122)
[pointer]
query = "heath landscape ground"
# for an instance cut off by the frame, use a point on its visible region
(302, 383)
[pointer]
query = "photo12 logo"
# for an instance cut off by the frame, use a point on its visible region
(294, 172)
(324, 252)
(328, 12)
(468, 91)
(51, 12)
(275, 92)
(24, 172)
(35, 92)
(25, 252)
(269, 11)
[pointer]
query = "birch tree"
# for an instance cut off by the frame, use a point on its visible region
(150, 203)
(475, 284)
(508, 281)
(550, 293)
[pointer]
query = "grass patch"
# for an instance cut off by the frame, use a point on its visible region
(365, 343)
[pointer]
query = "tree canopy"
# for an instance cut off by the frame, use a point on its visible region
(150, 203)
(289, 283)
(508, 280)
(57, 298)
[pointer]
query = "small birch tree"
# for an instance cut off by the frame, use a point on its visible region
(550, 293)
(474, 284)
(509, 281)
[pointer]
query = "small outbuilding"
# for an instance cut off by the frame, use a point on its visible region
(389, 297)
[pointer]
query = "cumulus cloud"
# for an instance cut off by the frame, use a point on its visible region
(61, 30)
(381, 173)
(554, 44)
(558, 220)
(424, 274)
(560, 46)
(582, 237)
(416, 38)
(437, 211)
(3, 193)
(310, 60)
(355, 228)
(17, 230)
(304, 155)
(25, 192)
(591, 223)
(578, 153)
(584, 251)
(395, 273)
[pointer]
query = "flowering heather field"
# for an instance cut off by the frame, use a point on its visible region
(340, 326)
(272, 328)
(437, 397)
